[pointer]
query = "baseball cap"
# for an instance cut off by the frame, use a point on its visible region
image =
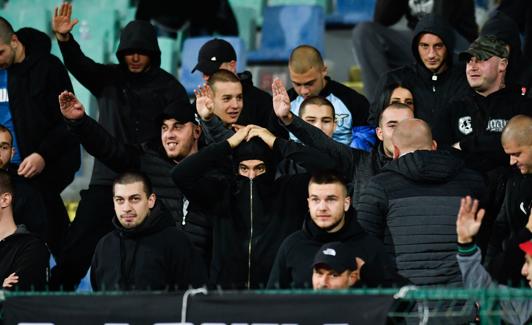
(337, 256)
(176, 110)
(484, 48)
(526, 247)
(212, 54)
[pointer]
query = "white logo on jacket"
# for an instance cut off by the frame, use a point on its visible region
(464, 125)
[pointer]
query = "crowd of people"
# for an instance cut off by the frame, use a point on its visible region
(426, 182)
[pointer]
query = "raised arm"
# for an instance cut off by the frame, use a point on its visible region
(95, 139)
(90, 74)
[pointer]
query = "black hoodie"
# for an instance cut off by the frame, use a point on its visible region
(152, 256)
(293, 264)
(128, 103)
(411, 205)
(252, 217)
(33, 87)
(26, 255)
(431, 91)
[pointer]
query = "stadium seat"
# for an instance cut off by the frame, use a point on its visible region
(169, 55)
(256, 5)
(286, 27)
(189, 58)
(35, 16)
(325, 4)
(348, 13)
(247, 25)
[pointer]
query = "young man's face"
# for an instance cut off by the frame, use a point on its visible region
(7, 54)
(520, 155)
(526, 271)
(6, 149)
(228, 101)
(327, 204)
(389, 120)
(132, 204)
(179, 139)
(432, 52)
(251, 168)
(137, 63)
(327, 278)
(309, 83)
(320, 116)
(482, 74)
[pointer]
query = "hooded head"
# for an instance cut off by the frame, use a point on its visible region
(139, 37)
(438, 26)
(253, 158)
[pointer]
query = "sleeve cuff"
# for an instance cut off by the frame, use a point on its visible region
(467, 249)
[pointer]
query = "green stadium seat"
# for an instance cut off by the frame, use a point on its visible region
(256, 5)
(247, 25)
(169, 55)
(325, 4)
(36, 16)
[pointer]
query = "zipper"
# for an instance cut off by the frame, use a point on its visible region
(434, 78)
(250, 231)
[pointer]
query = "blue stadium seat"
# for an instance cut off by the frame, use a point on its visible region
(286, 27)
(189, 58)
(348, 13)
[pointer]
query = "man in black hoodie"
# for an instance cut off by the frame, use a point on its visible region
(252, 212)
(145, 251)
(330, 219)
(32, 79)
(24, 257)
(411, 206)
(379, 47)
(434, 78)
(130, 96)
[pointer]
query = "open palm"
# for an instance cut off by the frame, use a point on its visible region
(70, 106)
(469, 219)
(62, 22)
(281, 101)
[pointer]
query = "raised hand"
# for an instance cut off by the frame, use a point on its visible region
(70, 106)
(61, 22)
(281, 102)
(264, 134)
(204, 102)
(469, 220)
(239, 136)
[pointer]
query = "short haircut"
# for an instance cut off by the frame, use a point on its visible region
(412, 134)
(518, 129)
(8, 131)
(6, 30)
(328, 177)
(305, 57)
(393, 106)
(222, 75)
(316, 100)
(6, 184)
(131, 177)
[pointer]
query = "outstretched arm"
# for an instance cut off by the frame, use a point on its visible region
(95, 139)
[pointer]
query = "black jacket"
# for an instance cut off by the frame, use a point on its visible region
(252, 217)
(33, 88)
(293, 263)
(152, 256)
(504, 258)
(412, 205)
(459, 13)
(477, 123)
(150, 158)
(128, 102)
(431, 91)
(27, 256)
(351, 108)
(355, 165)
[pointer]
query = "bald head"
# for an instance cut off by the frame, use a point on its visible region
(411, 135)
(304, 58)
(518, 130)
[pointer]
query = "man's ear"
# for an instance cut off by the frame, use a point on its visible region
(354, 276)
(503, 65)
(151, 200)
(378, 132)
(197, 132)
(5, 200)
(434, 145)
